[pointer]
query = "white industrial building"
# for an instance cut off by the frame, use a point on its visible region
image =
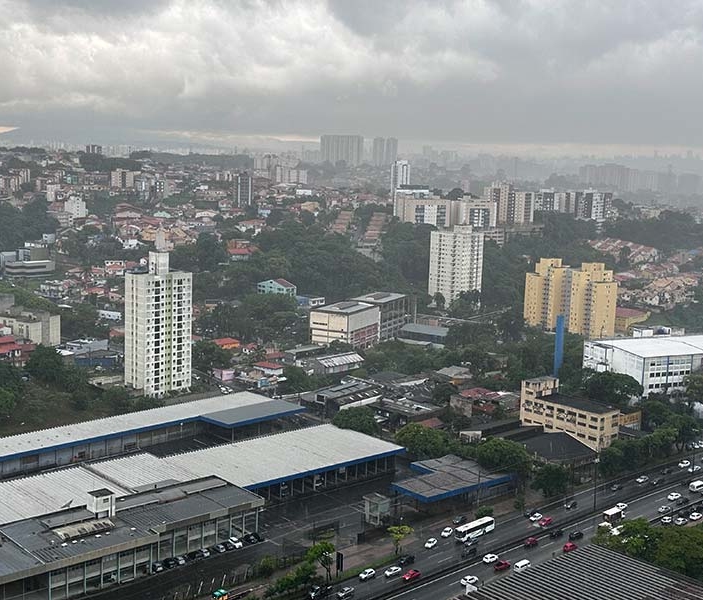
(352, 322)
(659, 363)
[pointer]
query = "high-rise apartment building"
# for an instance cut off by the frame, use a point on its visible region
(379, 152)
(243, 190)
(122, 179)
(93, 149)
(456, 262)
(347, 148)
(512, 207)
(158, 315)
(400, 175)
(443, 212)
(586, 296)
(391, 154)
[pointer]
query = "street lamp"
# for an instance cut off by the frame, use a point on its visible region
(595, 480)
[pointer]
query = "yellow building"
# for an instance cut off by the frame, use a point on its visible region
(586, 297)
(592, 423)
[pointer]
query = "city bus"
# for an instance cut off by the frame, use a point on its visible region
(472, 530)
(223, 594)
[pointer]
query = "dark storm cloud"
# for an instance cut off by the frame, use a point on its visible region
(537, 71)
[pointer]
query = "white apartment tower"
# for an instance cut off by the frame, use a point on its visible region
(456, 262)
(158, 315)
(400, 175)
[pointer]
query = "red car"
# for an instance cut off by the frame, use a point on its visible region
(501, 565)
(531, 542)
(411, 575)
(569, 547)
(545, 522)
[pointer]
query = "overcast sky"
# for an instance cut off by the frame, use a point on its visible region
(501, 71)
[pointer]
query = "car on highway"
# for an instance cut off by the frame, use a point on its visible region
(621, 506)
(458, 520)
(431, 543)
(667, 521)
(570, 504)
(556, 533)
(575, 535)
(656, 481)
(684, 464)
(534, 517)
(319, 591)
(673, 496)
(694, 468)
(666, 470)
(680, 521)
(569, 547)
(616, 486)
(530, 542)
(345, 593)
(411, 575)
(695, 516)
(501, 565)
(367, 574)
(528, 512)
(469, 580)
(490, 558)
(392, 571)
(447, 532)
(405, 560)
(545, 521)
(663, 509)
(642, 479)
(683, 500)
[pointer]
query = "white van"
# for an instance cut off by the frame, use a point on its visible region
(696, 486)
(521, 565)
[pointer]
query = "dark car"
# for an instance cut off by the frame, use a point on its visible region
(656, 481)
(683, 500)
(157, 567)
(615, 487)
(530, 542)
(570, 504)
(468, 552)
(253, 538)
(458, 520)
(170, 563)
(195, 555)
(228, 545)
(345, 593)
(408, 559)
(556, 533)
(319, 591)
(529, 512)
(501, 565)
(575, 535)
(471, 542)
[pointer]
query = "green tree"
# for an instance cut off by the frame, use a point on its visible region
(208, 356)
(442, 392)
(552, 480)
(423, 442)
(322, 553)
(45, 364)
(358, 418)
(611, 388)
(398, 533)
(694, 386)
(8, 401)
(484, 511)
(686, 428)
(497, 454)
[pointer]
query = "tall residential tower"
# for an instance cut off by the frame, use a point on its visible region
(158, 315)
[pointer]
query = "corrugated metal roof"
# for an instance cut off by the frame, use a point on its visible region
(337, 360)
(646, 347)
(256, 462)
(36, 441)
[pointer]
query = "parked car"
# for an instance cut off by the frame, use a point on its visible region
(219, 548)
(694, 468)
(447, 532)
(252, 538)
(195, 555)
(556, 533)
(405, 560)
(695, 516)
(345, 593)
(528, 512)
(667, 521)
(411, 575)
(157, 567)
(236, 542)
(575, 535)
(570, 504)
(501, 565)
(367, 574)
(683, 500)
(530, 542)
(680, 521)
(392, 571)
(170, 563)
(569, 547)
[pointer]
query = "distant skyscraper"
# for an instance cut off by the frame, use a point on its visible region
(400, 175)
(158, 315)
(93, 149)
(456, 262)
(347, 148)
(391, 151)
(379, 152)
(243, 192)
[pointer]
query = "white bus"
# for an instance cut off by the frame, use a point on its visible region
(472, 530)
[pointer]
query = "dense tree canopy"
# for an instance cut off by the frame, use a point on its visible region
(668, 232)
(611, 388)
(359, 418)
(552, 480)
(18, 226)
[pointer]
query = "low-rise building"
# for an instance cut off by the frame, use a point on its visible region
(330, 364)
(38, 326)
(276, 286)
(352, 322)
(423, 335)
(395, 309)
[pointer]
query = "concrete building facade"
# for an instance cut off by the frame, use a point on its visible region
(352, 322)
(400, 174)
(158, 316)
(585, 296)
(347, 148)
(395, 311)
(456, 262)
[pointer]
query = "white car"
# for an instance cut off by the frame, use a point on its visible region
(236, 542)
(673, 496)
(392, 571)
(431, 543)
(695, 516)
(667, 520)
(367, 574)
(684, 464)
(680, 521)
(469, 580)
(536, 517)
(490, 558)
(642, 479)
(447, 531)
(694, 468)
(664, 508)
(621, 506)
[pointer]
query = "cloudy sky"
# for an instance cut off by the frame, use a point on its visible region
(477, 71)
